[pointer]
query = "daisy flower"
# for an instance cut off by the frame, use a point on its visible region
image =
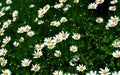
(6, 39)
(3, 52)
(75, 1)
(27, 28)
(92, 73)
(99, 20)
(62, 1)
(6, 72)
(8, 1)
(48, 41)
(116, 44)
(112, 8)
(81, 68)
(21, 39)
(58, 72)
(57, 53)
(31, 6)
(15, 44)
(114, 2)
(58, 6)
(116, 73)
(30, 33)
(37, 54)
(99, 1)
(2, 13)
(104, 71)
(92, 6)
(39, 46)
(76, 36)
(51, 45)
(15, 13)
(57, 39)
(21, 30)
(1, 59)
(2, 31)
(114, 19)
(35, 67)
(64, 35)
(116, 54)
(26, 62)
(73, 48)
(63, 19)
(4, 62)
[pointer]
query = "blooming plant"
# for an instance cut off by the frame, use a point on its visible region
(59, 37)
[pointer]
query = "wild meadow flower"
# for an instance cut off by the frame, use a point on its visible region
(8, 1)
(75, 1)
(55, 23)
(3, 52)
(16, 44)
(46, 8)
(116, 54)
(31, 33)
(99, 1)
(92, 73)
(37, 54)
(62, 1)
(40, 22)
(99, 20)
(31, 6)
(81, 68)
(63, 19)
(57, 39)
(58, 6)
(6, 24)
(21, 39)
(26, 62)
(112, 8)
(114, 2)
(2, 13)
(1, 59)
(39, 46)
(48, 41)
(6, 72)
(6, 40)
(76, 36)
(63, 35)
(15, 13)
(21, 30)
(58, 72)
(35, 67)
(27, 28)
(57, 53)
(92, 6)
(116, 44)
(116, 73)
(2, 31)
(104, 71)
(51, 45)
(4, 62)
(114, 19)
(73, 48)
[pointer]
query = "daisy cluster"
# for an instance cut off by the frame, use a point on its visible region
(43, 55)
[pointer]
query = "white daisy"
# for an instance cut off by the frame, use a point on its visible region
(116, 44)
(92, 6)
(3, 52)
(15, 44)
(6, 40)
(6, 72)
(116, 54)
(35, 67)
(63, 19)
(76, 36)
(73, 48)
(8, 1)
(2, 31)
(37, 54)
(30, 33)
(112, 8)
(81, 68)
(76, 1)
(15, 13)
(4, 62)
(39, 46)
(92, 73)
(26, 62)
(104, 71)
(57, 53)
(58, 72)
(99, 1)
(116, 73)
(64, 35)
(99, 20)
